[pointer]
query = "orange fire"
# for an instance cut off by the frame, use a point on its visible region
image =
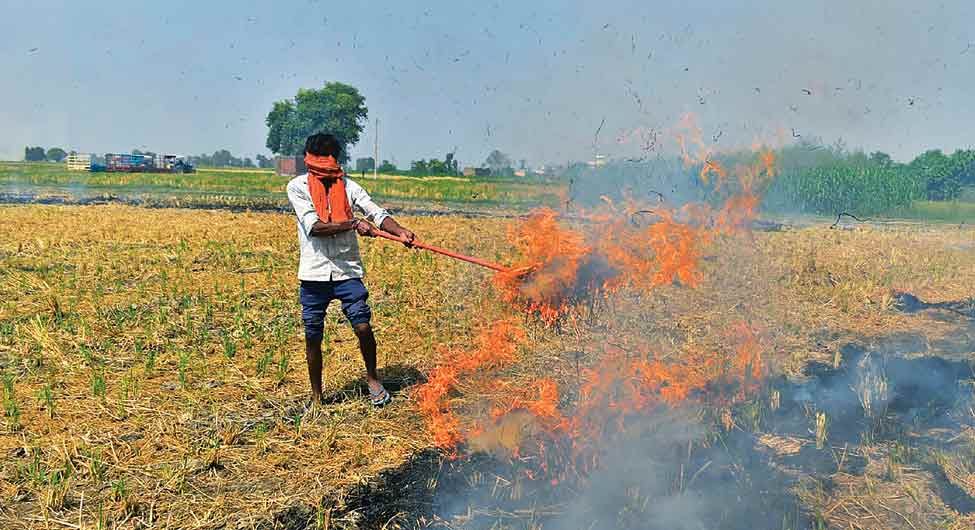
(631, 382)
(650, 255)
(618, 246)
(626, 383)
(494, 347)
(554, 256)
(625, 250)
(742, 207)
(693, 151)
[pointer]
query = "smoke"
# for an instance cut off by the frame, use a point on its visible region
(664, 474)
(671, 468)
(638, 472)
(660, 476)
(653, 182)
(879, 391)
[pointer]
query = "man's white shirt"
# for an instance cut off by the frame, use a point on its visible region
(334, 257)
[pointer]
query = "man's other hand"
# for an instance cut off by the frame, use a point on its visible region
(406, 234)
(390, 225)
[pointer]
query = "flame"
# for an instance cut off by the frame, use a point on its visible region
(617, 246)
(709, 167)
(693, 150)
(624, 252)
(626, 383)
(650, 256)
(742, 207)
(555, 255)
(494, 347)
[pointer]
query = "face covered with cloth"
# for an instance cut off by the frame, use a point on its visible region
(326, 185)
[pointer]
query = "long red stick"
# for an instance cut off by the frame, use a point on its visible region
(445, 252)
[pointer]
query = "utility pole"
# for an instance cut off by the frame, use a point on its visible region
(375, 160)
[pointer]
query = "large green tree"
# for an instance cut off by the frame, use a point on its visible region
(56, 154)
(336, 108)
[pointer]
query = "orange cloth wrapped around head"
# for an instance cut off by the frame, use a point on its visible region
(326, 186)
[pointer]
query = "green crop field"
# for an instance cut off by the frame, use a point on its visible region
(261, 187)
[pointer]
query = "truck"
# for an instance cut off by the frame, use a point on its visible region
(173, 164)
(129, 163)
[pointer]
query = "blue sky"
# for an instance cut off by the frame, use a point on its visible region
(532, 78)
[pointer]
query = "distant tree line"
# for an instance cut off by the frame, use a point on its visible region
(944, 176)
(498, 164)
(808, 176)
(434, 167)
(418, 168)
(38, 154)
(224, 158)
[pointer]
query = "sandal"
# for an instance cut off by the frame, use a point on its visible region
(380, 398)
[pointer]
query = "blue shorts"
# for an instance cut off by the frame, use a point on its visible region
(315, 297)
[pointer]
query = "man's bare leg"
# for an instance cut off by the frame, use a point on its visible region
(367, 345)
(313, 354)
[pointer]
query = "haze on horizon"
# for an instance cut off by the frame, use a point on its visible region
(533, 79)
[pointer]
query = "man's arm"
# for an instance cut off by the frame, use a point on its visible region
(323, 229)
(308, 217)
(390, 225)
(373, 212)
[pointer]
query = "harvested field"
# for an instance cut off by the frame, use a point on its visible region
(154, 378)
(171, 354)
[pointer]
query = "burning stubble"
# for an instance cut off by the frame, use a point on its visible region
(632, 440)
(581, 261)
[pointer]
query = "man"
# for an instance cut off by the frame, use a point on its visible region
(330, 267)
